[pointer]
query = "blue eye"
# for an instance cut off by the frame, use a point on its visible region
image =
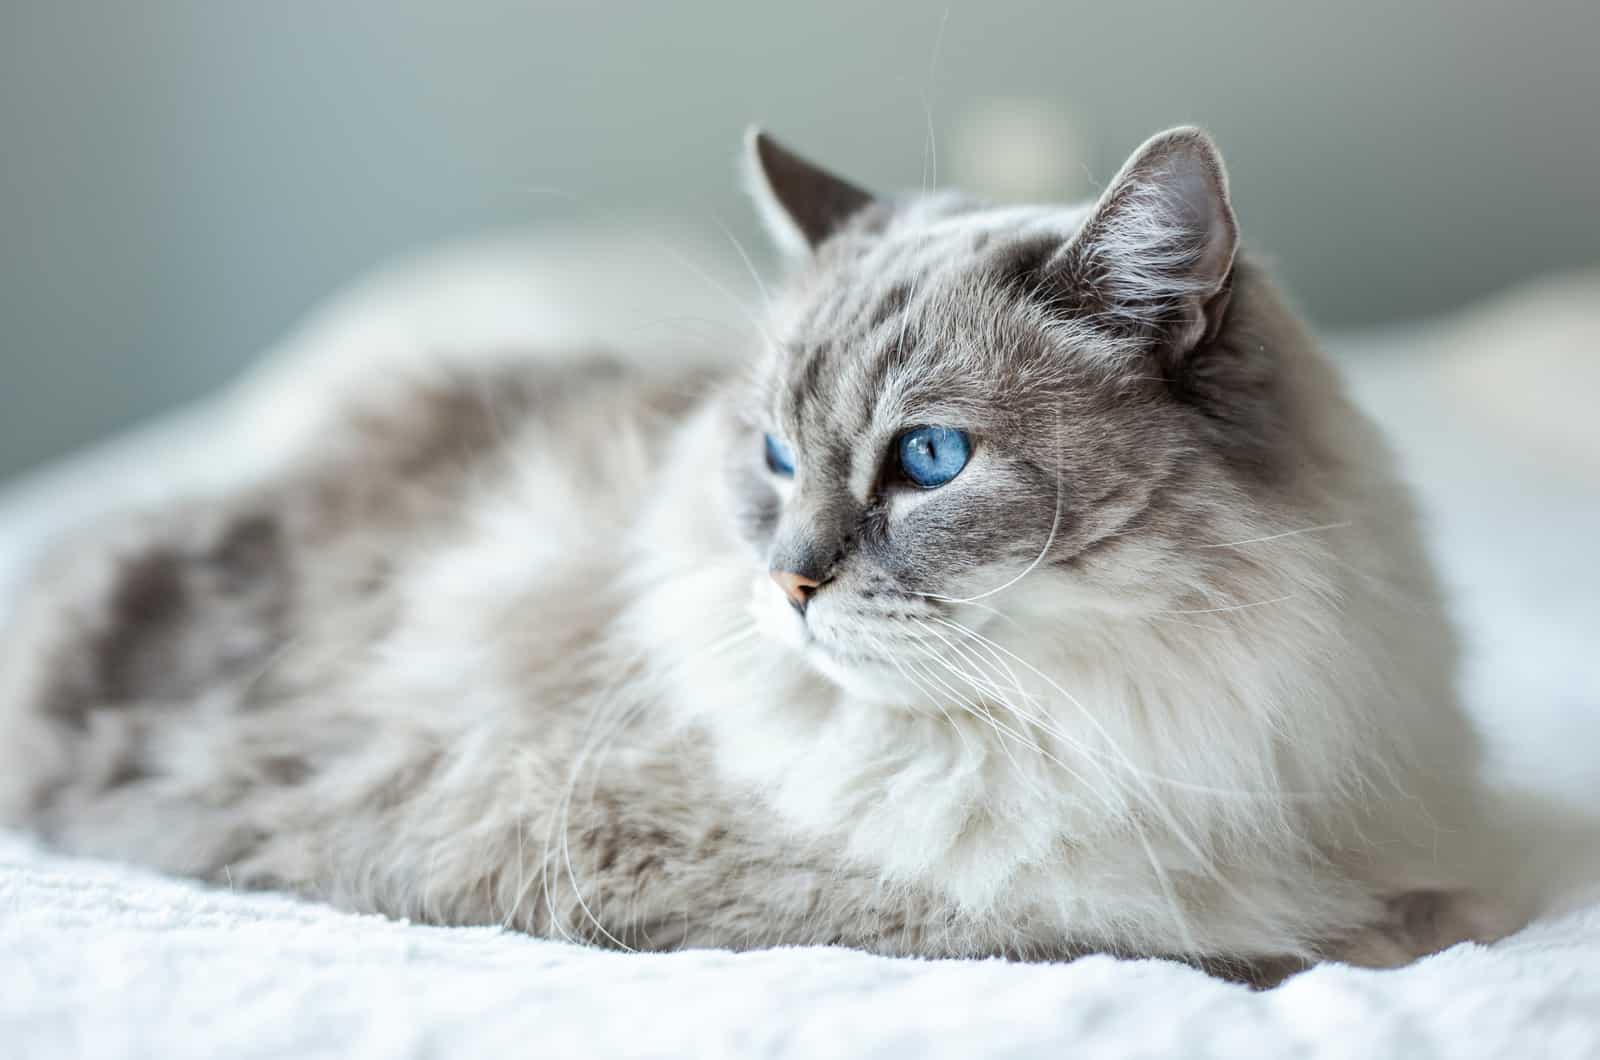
(932, 456)
(779, 457)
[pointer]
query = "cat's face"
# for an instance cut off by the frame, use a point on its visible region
(969, 415)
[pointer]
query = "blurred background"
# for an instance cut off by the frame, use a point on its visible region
(181, 181)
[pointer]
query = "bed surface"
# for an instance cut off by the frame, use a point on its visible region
(103, 961)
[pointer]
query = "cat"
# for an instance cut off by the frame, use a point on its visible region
(1035, 591)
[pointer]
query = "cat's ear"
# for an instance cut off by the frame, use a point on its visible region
(1154, 261)
(801, 203)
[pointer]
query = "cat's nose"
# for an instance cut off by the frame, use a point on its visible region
(797, 587)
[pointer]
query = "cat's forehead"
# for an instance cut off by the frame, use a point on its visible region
(931, 243)
(936, 258)
(898, 318)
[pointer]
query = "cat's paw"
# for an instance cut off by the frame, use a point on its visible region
(1421, 923)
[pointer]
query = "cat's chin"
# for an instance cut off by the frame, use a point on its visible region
(862, 680)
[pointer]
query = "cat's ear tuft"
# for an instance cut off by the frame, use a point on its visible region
(801, 203)
(1155, 258)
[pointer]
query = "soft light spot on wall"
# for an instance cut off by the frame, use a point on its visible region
(1019, 149)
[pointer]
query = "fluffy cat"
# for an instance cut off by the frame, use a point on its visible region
(1036, 591)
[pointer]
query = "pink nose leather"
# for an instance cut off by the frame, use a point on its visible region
(797, 587)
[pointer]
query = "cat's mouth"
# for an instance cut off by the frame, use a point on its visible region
(869, 652)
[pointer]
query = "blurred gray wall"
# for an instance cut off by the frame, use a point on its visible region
(181, 180)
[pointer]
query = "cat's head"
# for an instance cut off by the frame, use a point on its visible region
(971, 414)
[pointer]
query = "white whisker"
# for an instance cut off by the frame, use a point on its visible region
(1006, 730)
(750, 266)
(1123, 761)
(1231, 607)
(603, 728)
(1055, 526)
(930, 155)
(1169, 892)
(694, 270)
(1277, 537)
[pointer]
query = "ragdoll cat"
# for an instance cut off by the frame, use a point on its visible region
(1035, 591)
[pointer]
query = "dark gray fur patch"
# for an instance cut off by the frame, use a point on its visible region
(890, 306)
(285, 769)
(250, 549)
(812, 364)
(146, 608)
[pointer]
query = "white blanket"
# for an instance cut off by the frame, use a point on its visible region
(102, 960)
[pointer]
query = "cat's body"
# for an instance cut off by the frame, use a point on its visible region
(1163, 671)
